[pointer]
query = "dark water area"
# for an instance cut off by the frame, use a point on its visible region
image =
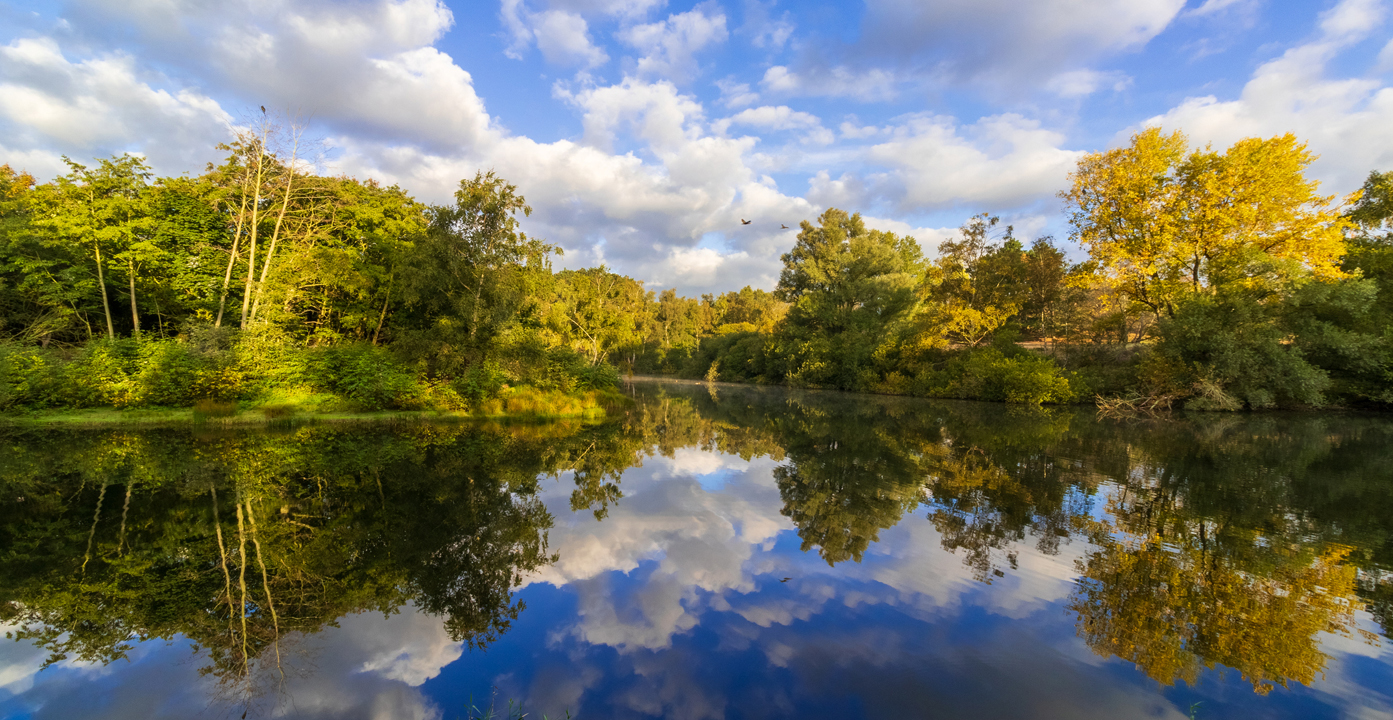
(716, 552)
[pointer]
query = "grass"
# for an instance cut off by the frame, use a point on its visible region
(298, 405)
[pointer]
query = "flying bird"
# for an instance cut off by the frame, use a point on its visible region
(785, 579)
(743, 221)
(263, 109)
(783, 226)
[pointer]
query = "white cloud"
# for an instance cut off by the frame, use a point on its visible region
(562, 37)
(779, 118)
(1348, 122)
(1004, 41)
(98, 106)
(736, 95)
(1351, 20)
(1001, 161)
(928, 237)
(670, 46)
(870, 85)
(771, 117)
(1079, 83)
(852, 131)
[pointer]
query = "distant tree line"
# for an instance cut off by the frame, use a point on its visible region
(1213, 280)
(1217, 280)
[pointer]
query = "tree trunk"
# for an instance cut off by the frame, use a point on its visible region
(275, 234)
(383, 317)
(256, 208)
(106, 304)
(232, 261)
(135, 315)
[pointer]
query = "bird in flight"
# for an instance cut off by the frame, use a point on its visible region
(263, 109)
(743, 221)
(785, 579)
(783, 226)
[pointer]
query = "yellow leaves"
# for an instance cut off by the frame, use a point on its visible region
(14, 184)
(1161, 223)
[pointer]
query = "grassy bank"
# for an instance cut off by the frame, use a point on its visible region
(233, 378)
(519, 404)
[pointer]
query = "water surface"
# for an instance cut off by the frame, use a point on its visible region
(721, 552)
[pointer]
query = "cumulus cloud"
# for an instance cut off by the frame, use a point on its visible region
(771, 117)
(930, 162)
(98, 106)
(562, 37)
(1007, 42)
(669, 47)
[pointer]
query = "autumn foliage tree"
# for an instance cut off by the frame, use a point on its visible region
(1164, 222)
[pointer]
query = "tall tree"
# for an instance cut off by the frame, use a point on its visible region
(103, 207)
(472, 273)
(1163, 224)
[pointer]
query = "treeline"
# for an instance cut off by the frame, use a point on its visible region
(1216, 280)
(1213, 280)
(260, 280)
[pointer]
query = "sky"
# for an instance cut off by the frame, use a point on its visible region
(644, 132)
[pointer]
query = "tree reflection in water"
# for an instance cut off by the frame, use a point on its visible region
(1202, 541)
(242, 542)
(1210, 541)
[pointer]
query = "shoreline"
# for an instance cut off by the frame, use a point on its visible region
(185, 417)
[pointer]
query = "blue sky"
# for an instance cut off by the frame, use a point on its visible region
(643, 131)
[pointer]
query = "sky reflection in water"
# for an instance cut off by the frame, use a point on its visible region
(984, 564)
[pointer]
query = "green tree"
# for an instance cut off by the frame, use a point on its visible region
(105, 208)
(846, 285)
(596, 312)
(471, 275)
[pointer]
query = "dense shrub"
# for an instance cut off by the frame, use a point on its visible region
(368, 376)
(1230, 352)
(991, 374)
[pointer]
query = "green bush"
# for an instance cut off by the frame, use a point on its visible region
(481, 382)
(1230, 351)
(990, 374)
(368, 376)
(165, 373)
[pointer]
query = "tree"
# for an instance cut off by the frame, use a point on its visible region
(104, 207)
(596, 312)
(1163, 224)
(978, 288)
(846, 284)
(470, 275)
(1046, 273)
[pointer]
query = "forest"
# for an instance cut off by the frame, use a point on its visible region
(1191, 278)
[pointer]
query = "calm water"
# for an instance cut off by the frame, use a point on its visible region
(725, 553)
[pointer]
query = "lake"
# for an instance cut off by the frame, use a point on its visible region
(716, 552)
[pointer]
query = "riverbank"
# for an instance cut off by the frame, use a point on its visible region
(524, 404)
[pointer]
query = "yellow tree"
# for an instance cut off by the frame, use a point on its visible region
(1163, 222)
